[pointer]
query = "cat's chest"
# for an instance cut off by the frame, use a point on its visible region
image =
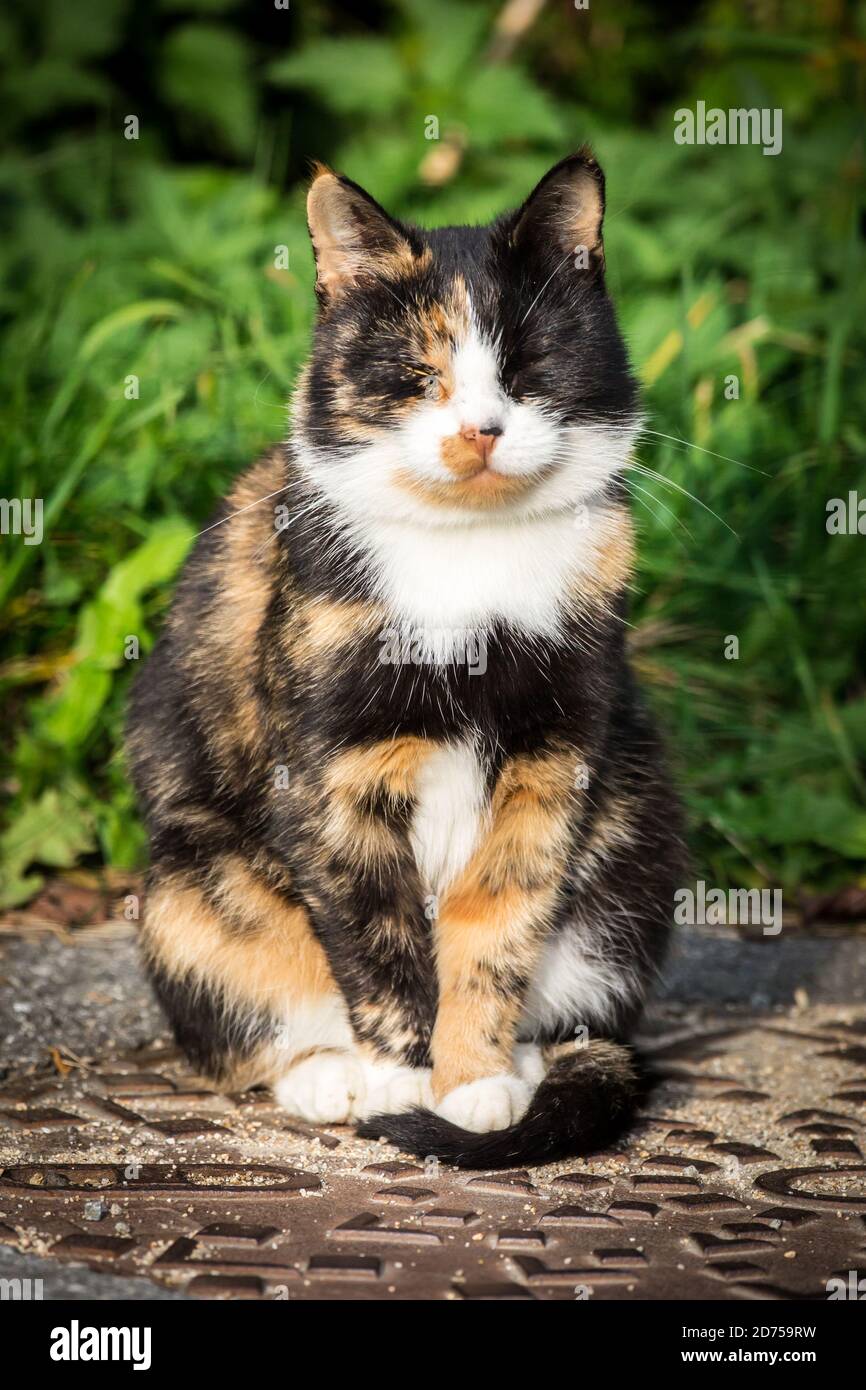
(442, 580)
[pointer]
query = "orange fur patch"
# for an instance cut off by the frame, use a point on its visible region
(241, 568)
(613, 562)
(273, 960)
(390, 767)
(459, 457)
(480, 492)
(492, 920)
(352, 779)
(326, 626)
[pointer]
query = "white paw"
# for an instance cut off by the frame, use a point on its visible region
(326, 1089)
(529, 1063)
(391, 1088)
(495, 1102)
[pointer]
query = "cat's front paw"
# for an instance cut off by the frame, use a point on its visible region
(392, 1088)
(326, 1089)
(495, 1102)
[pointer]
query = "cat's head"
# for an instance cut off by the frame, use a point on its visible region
(464, 372)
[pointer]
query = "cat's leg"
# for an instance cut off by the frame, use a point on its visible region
(248, 989)
(358, 872)
(251, 997)
(596, 967)
(490, 931)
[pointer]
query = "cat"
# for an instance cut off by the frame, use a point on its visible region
(413, 841)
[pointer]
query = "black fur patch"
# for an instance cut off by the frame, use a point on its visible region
(213, 1038)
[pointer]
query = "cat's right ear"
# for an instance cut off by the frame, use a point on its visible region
(353, 237)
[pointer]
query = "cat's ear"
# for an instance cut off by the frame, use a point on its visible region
(352, 236)
(565, 211)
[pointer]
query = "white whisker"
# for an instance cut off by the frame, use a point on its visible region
(631, 485)
(675, 439)
(555, 271)
(247, 508)
(668, 482)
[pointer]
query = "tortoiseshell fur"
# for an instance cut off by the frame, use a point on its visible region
(279, 761)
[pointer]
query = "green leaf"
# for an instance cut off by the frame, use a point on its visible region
(130, 314)
(153, 563)
(54, 830)
(349, 76)
(206, 71)
(799, 815)
(502, 103)
(87, 29)
(447, 33)
(51, 85)
(70, 718)
(104, 624)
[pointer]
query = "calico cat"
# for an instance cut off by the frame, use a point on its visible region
(413, 842)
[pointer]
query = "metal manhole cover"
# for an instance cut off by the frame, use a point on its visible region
(745, 1179)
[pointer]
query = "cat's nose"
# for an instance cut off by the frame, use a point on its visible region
(482, 438)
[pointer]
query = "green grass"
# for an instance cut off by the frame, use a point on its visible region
(723, 262)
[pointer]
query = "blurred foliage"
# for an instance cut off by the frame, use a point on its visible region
(156, 258)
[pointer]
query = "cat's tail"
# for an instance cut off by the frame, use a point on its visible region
(583, 1103)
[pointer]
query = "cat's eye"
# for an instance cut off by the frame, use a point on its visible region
(432, 387)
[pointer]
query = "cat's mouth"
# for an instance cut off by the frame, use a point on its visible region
(484, 488)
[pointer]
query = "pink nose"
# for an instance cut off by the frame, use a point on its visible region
(483, 439)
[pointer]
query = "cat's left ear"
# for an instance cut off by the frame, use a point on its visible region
(565, 211)
(353, 237)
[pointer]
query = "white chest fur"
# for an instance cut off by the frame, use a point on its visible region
(450, 814)
(465, 578)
